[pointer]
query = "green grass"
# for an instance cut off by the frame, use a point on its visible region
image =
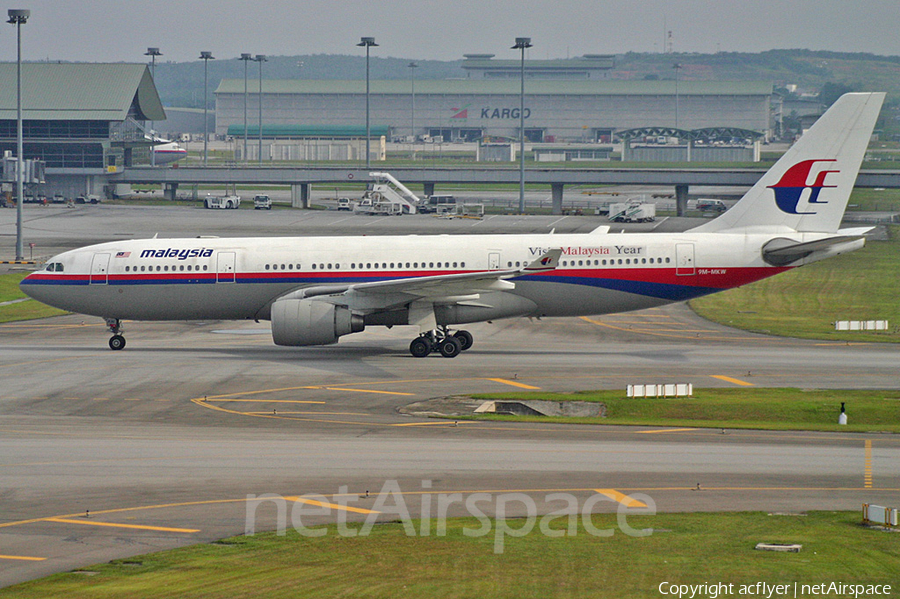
(686, 549)
(748, 408)
(27, 310)
(862, 285)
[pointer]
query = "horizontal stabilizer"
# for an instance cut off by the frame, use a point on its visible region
(782, 251)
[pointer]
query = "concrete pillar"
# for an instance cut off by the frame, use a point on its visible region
(429, 189)
(681, 199)
(170, 190)
(556, 193)
(300, 195)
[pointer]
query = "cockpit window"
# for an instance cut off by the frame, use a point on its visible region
(55, 267)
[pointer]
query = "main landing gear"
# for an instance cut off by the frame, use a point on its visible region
(117, 341)
(440, 339)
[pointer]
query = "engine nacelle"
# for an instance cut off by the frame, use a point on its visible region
(311, 322)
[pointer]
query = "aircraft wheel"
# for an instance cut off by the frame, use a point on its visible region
(465, 339)
(420, 347)
(450, 347)
(117, 342)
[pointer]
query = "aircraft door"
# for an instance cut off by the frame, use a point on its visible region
(684, 259)
(100, 269)
(225, 267)
(494, 261)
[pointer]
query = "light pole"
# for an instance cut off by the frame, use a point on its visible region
(412, 118)
(17, 17)
(521, 44)
(246, 58)
(152, 53)
(260, 58)
(367, 42)
(206, 57)
(677, 67)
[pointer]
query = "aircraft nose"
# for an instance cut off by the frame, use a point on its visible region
(30, 287)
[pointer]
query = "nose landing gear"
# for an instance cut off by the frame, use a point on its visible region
(117, 341)
(440, 339)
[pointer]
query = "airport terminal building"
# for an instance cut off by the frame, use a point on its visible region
(565, 101)
(84, 120)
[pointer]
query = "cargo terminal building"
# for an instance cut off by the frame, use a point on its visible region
(558, 109)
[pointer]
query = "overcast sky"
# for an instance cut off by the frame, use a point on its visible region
(121, 30)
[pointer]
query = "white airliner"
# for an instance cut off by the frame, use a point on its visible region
(316, 289)
(167, 152)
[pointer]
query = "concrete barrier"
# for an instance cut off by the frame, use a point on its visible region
(660, 390)
(861, 325)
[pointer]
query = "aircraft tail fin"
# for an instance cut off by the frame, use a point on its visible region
(808, 188)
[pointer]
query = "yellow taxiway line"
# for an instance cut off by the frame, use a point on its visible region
(332, 506)
(23, 558)
(621, 498)
(513, 383)
(114, 525)
(728, 379)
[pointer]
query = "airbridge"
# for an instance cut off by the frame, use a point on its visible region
(301, 178)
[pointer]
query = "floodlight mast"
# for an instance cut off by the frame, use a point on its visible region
(246, 58)
(522, 43)
(206, 57)
(367, 42)
(152, 53)
(18, 17)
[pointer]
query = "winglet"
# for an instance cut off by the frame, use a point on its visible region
(548, 261)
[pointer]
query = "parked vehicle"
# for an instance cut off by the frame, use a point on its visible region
(632, 212)
(262, 203)
(222, 202)
(711, 206)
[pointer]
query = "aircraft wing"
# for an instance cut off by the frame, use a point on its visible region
(379, 295)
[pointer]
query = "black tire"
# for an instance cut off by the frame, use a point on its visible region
(465, 339)
(116, 342)
(450, 347)
(420, 347)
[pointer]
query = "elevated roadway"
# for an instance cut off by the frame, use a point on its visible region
(300, 178)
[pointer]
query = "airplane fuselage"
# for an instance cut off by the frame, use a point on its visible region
(186, 279)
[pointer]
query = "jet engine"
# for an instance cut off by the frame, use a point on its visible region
(311, 322)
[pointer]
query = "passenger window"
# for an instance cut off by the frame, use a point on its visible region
(368, 265)
(509, 264)
(627, 260)
(127, 268)
(667, 260)
(384, 265)
(282, 267)
(298, 267)
(166, 268)
(392, 265)
(337, 266)
(205, 267)
(267, 267)
(462, 264)
(181, 267)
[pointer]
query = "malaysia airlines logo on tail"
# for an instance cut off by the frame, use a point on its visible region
(789, 189)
